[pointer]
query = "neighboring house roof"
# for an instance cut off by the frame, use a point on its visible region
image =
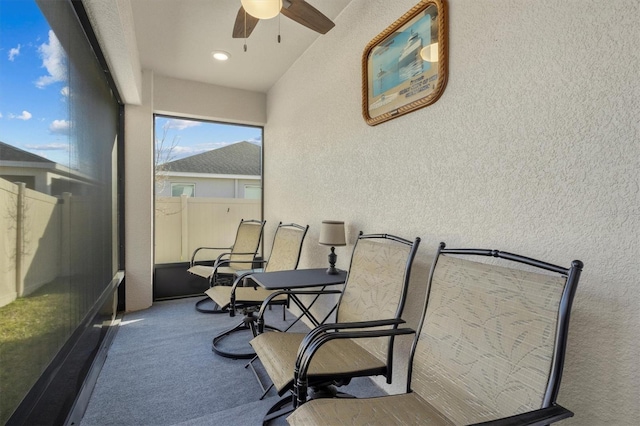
(12, 158)
(242, 158)
(11, 153)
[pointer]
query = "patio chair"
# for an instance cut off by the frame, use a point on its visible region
(285, 255)
(241, 256)
(490, 349)
(375, 292)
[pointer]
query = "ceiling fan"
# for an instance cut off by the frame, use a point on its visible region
(300, 11)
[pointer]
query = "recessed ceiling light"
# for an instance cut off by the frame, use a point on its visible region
(220, 55)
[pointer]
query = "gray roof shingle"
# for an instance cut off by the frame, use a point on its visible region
(11, 153)
(241, 158)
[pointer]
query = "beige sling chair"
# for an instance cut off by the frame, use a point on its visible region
(241, 256)
(490, 349)
(374, 293)
(285, 255)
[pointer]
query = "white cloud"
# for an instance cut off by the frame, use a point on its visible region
(65, 91)
(26, 115)
(183, 150)
(13, 52)
(177, 124)
(54, 60)
(0, 115)
(60, 127)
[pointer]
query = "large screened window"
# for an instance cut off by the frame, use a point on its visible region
(59, 124)
(208, 177)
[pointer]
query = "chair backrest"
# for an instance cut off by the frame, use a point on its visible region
(376, 286)
(246, 244)
(493, 338)
(287, 246)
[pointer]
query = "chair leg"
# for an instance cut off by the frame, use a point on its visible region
(216, 309)
(266, 390)
(281, 408)
(248, 323)
(234, 355)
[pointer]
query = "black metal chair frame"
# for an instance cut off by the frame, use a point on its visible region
(248, 308)
(224, 260)
(551, 411)
(322, 383)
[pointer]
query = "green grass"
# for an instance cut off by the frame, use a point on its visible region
(32, 331)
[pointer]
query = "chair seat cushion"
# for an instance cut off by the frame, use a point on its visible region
(278, 351)
(244, 295)
(405, 409)
(206, 271)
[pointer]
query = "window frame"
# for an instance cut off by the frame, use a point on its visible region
(184, 184)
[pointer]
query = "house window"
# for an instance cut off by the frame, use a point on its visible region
(180, 189)
(252, 192)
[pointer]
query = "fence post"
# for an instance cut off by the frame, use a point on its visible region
(184, 231)
(20, 238)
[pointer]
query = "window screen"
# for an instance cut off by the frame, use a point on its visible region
(58, 130)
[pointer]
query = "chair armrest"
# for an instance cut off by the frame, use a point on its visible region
(543, 416)
(323, 328)
(193, 255)
(302, 366)
(221, 261)
(239, 279)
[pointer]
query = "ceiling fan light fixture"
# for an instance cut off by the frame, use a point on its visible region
(262, 9)
(220, 55)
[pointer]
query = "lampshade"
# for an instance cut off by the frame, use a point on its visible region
(262, 9)
(332, 233)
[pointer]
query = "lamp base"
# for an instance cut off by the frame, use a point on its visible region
(332, 262)
(331, 270)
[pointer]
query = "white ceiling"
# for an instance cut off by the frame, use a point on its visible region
(175, 38)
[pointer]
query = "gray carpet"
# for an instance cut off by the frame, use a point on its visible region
(160, 371)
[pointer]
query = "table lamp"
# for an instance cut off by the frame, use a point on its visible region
(332, 234)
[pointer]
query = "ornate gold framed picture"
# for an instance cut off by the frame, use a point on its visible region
(404, 68)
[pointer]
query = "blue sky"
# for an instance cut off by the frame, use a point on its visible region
(184, 138)
(33, 83)
(34, 94)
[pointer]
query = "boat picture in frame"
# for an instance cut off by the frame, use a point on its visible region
(404, 68)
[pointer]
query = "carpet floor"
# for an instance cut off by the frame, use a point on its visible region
(160, 370)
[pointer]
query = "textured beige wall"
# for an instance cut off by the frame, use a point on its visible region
(139, 180)
(533, 148)
(199, 100)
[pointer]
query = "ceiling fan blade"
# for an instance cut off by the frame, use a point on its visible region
(307, 15)
(244, 24)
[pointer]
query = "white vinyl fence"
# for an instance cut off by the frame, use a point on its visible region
(42, 236)
(31, 247)
(186, 223)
